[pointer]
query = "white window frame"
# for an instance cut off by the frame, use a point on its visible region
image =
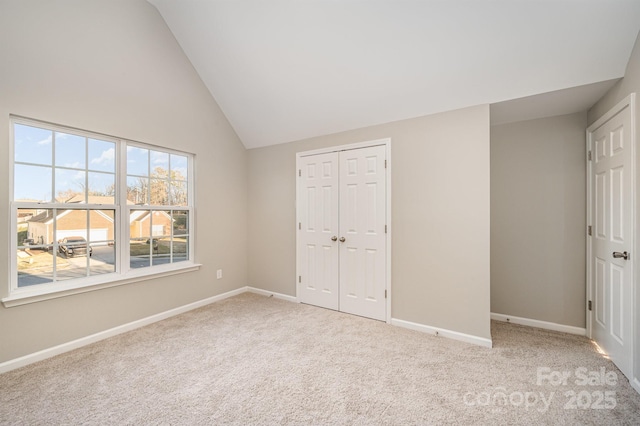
(123, 273)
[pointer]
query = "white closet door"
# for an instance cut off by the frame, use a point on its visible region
(362, 232)
(318, 230)
(612, 266)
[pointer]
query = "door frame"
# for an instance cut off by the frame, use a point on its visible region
(386, 142)
(627, 102)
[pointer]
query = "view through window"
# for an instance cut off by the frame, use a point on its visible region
(86, 205)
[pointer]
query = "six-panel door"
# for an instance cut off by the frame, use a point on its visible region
(317, 225)
(612, 233)
(341, 231)
(362, 225)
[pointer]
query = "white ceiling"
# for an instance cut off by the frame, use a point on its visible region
(283, 70)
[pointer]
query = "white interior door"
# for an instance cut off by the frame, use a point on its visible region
(318, 230)
(611, 195)
(342, 241)
(362, 232)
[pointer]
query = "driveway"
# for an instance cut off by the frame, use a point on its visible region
(102, 262)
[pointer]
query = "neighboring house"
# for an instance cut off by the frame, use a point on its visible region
(141, 221)
(24, 215)
(73, 222)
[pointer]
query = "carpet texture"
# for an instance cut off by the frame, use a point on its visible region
(257, 360)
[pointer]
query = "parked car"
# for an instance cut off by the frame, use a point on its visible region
(74, 246)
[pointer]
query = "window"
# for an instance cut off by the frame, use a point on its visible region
(88, 209)
(157, 196)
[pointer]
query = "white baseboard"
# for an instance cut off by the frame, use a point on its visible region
(83, 341)
(468, 338)
(540, 324)
(271, 293)
(635, 383)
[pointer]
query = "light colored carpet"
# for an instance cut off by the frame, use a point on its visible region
(256, 360)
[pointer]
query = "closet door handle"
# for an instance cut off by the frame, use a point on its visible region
(334, 238)
(624, 255)
(342, 240)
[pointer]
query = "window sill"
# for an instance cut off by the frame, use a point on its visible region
(25, 296)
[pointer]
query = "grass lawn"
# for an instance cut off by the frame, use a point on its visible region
(40, 259)
(141, 248)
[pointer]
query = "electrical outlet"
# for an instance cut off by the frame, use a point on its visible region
(219, 273)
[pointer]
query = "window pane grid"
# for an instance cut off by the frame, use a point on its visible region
(158, 236)
(66, 155)
(60, 243)
(156, 178)
(66, 202)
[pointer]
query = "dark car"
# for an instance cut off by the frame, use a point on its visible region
(74, 246)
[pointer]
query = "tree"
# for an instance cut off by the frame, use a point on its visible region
(109, 191)
(162, 188)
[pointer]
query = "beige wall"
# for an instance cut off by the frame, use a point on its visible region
(629, 84)
(538, 214)
(440, 216)
(114, 67)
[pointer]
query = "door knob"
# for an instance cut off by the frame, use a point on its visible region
(342, 240)
(334, 238)
(624, 255)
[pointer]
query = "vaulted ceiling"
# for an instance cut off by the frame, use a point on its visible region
(284, 70)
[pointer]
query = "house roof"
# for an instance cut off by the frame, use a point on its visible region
(43, 217)
(286, 70)
(92, 199)
(140, 215)
(136, 216)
